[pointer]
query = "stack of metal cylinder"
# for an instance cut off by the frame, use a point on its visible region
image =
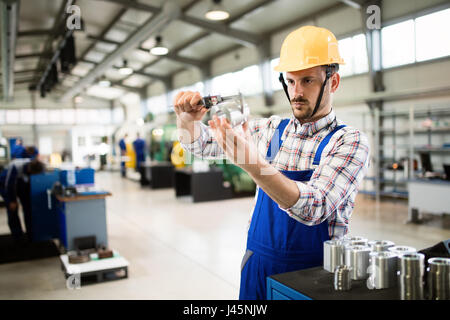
(438, 279)
(385, 265)
(410, 276)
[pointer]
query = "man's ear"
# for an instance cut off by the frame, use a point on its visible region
(335, 80)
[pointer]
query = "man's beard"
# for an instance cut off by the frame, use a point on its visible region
(302, 112)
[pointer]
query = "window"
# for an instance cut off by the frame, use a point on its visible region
(54, 116)
(353, 51)
(118, 115)
(224, 85)
(12, 116)
(105, 116)
(397, 43)
(41, 116)
(249, 80)
(199, 86)
(276, 84)
(82, 116)
(432, 38)
(157, 104)
(68, 116)
(26, 116)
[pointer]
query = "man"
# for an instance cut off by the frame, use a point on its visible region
(139, 149)
(307, 167)
(18, 150)
(123, 153)
(15, 183)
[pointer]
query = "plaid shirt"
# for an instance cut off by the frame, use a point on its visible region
(330, 194)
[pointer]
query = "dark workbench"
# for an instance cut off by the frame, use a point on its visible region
(157, 175)
(317, 284)
(202, 186)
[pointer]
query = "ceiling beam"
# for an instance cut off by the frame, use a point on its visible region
(352, 4)
(170, 55)
(138, 72)
(33, 33)
(34, 55)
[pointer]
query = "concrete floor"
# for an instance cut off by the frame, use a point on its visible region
(181, 250)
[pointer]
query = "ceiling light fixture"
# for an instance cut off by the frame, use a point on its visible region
(125, 70)
(217, 11)
(159, 49)
(104, 82)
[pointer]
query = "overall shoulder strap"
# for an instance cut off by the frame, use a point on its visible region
(276, 141)
(324, 143)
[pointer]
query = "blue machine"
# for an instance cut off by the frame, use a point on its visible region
(43, 214)
(82, 176)
(47, 219)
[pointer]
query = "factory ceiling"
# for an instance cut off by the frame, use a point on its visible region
(114, 31)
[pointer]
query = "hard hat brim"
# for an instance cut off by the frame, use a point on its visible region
(287, 68)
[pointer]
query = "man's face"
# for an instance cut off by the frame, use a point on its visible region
(304, 88)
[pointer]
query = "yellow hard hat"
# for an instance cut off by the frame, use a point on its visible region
(308, 47)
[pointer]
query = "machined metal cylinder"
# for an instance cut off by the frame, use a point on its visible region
(333, 254)
(439, 279)
(380, 245)
(383, 270)
(342, 278)
(410, 276)
(354, 240)
(357, 258)
(401, 250)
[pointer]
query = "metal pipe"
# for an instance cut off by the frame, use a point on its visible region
(9, 10)
(170, 11)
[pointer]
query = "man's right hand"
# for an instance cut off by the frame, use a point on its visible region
(188, 108)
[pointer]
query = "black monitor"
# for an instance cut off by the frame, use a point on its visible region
(425, 159)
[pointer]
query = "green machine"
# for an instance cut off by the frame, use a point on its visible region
(237, 177)
(161, 142)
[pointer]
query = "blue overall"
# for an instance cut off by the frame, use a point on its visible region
(276, 242)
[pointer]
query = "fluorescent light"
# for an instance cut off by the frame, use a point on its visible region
(217, 15)
(159, 49)
(125, 70)
(104, 83)
(217, 12)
